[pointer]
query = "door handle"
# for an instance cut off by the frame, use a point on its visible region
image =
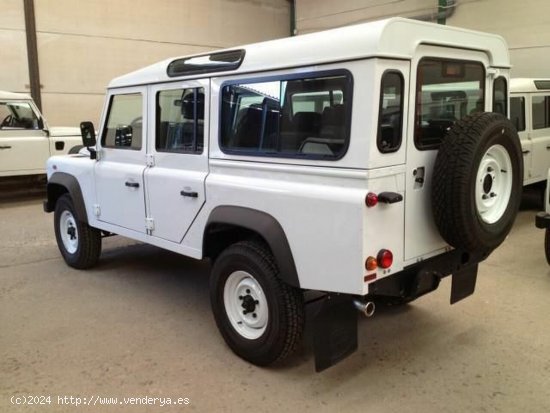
(132, 184)
(5, 147)
(548, 147)
(526, 152)
(190, 194)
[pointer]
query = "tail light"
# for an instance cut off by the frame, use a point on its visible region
(371, 199)
(384, 259)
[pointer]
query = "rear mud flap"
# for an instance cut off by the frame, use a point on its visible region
(463, 283)
(334, 330)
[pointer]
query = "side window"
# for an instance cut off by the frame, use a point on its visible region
(446, 91)
(305, 117)
(390, 113)
(18, 115)
(124, 128)
(180, 120)
(541, 112)
(499, 96)
(517, 112)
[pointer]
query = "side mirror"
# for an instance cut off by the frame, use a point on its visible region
(88, 134)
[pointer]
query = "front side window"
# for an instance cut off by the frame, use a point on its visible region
(18, 115)
(517, 112)
(447, 90)
(180, 120)
(541, 112)
(124, 128)
(390, 115)
(305, 117)
(499, 96)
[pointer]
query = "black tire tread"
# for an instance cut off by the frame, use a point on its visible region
(290, 297)
(89, 248)
(547, 245)
(452, 180)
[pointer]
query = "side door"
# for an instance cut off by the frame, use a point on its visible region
(24, 145)
(449, 84)
(120, 195)
(178, 154)
(540, 136)
(518, 107)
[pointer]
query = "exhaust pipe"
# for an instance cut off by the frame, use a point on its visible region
(366, 308)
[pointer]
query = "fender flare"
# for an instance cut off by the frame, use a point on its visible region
(70, 183)
(267, 227)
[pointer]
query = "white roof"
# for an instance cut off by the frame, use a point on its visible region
(13, 96)
(526, 84)
(392, 38)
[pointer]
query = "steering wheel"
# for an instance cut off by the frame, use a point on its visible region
(136, 121)
(8, 120)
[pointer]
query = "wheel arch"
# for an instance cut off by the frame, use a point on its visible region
(229, 224)
(61, 183)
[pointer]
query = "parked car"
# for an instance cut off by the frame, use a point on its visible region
(26, 140)
(324, 170)
(530, 113)
(542, 219)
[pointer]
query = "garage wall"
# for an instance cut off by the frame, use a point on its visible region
(14, 72)
(83, 44)
(524, 24)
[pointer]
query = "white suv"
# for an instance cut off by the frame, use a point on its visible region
(26, 140)
(323, 170)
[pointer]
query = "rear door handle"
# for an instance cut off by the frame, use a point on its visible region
(190, 194)
(526, 152)
(5, 147)
(132, 184)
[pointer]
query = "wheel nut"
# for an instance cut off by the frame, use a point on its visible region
(241, 297)
(254, 315)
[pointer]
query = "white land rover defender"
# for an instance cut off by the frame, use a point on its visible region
(542, 219)
(323, 170)
(26, 140)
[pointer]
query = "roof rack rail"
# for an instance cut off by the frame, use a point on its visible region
(208, 63)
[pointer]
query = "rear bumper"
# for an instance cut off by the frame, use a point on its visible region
(542, 220)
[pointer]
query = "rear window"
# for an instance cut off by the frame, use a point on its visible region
(447, 90)
(517, 112)
(306, 117)
(390, 115)
(541, 112)
(499, 96)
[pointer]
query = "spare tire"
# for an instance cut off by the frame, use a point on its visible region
(477, 182)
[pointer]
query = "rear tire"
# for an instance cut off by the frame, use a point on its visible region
(477, 182)
(260, 317)
(79, 244)
(547, 245)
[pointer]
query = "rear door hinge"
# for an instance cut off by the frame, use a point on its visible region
(149, 225)
(150, 159)
(97, 210)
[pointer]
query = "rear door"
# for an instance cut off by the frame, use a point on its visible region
(450, 84)
(178, 157)
(540, 135)
(518, 106)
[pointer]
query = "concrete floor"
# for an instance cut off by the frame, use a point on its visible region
(139, 324)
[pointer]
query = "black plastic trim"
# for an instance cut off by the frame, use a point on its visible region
(542, 220)
(173, 71)
(70, 183)
(264, 225)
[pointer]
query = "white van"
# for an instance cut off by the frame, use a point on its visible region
(323, 170)
(530, 113)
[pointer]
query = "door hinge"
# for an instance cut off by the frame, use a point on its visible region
(150, 159)
(97, 210)
(149, 224)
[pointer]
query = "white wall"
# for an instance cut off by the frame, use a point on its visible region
(525, 24)
(83, 44)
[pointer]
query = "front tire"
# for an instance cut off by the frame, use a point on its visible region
(79, 244)
(260, 317)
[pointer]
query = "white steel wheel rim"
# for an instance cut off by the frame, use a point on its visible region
(68, 232)
(493, 184)
(245, 305)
